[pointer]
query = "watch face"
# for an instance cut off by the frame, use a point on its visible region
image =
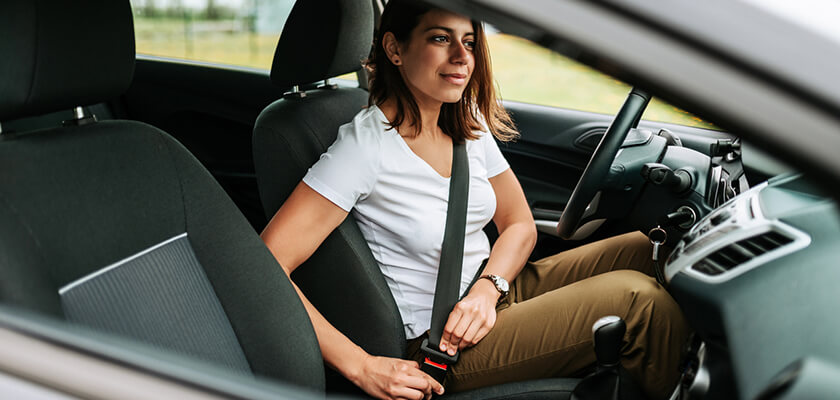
(501, 283)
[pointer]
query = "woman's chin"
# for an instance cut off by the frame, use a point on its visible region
(454, 98)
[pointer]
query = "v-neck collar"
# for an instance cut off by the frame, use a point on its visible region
(411, 152)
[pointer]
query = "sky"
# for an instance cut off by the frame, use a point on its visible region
(816, 15)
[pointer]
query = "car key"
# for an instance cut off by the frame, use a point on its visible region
(657, 237)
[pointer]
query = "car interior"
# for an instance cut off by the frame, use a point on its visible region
(133, 190)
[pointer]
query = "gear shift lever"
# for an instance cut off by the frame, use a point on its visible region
(607, 333)
(609, 381)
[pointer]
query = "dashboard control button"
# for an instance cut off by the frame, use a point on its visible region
(720, 217)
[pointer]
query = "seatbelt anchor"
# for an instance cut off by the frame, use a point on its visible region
(436, 363)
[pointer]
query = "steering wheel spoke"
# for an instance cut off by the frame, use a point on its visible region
(596, 172)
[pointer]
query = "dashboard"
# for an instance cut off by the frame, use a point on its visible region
(758, 279)
(732, 240)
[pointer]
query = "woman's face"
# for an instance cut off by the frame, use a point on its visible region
(437, 61)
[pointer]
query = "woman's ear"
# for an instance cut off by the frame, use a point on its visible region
(392, 48)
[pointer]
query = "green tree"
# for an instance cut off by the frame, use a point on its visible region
(150, 9)
(212, 11)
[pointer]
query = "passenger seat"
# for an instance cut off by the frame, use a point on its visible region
(116, 226)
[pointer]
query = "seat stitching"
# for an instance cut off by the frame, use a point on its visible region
(177, 174)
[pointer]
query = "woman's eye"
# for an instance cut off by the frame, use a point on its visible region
(440, 39)
(470, 44)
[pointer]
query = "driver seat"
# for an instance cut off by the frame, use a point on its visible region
(341, 277)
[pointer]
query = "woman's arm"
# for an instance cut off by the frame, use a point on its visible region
(292, 235)
(475, 315)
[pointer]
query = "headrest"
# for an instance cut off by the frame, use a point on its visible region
(56, 55)
(322, 39)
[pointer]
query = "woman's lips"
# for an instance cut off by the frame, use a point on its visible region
(455, 79)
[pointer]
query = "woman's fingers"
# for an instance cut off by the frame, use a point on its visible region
(391, 378)
(457, 337)
(478, 329)
(413, 385)
(480, 334)
(407, 393)
(468, 323)
(435, 386)
(458, 322)
(419, 380)
(470, 336)
(484, 328)
(451, 323)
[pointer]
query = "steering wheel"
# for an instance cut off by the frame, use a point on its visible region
(599, 165)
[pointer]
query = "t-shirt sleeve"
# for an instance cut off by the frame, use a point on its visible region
(347, 171)
(495, 162)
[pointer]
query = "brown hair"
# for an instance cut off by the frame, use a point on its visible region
(458, 120)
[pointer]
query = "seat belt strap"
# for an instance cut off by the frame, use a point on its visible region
(447, 288)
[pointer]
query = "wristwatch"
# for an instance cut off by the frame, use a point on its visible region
(500, 283)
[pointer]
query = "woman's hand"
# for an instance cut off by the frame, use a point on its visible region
(393, 378)
(471, 319)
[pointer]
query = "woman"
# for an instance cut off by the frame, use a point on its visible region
(431, 85)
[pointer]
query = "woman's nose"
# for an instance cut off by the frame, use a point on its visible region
(459, 53)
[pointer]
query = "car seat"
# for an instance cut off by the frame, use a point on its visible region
(115, 225)
(341, 278)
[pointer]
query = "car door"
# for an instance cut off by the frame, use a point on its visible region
(202, 75)
(211, 110)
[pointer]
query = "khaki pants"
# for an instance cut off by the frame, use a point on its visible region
(544, 328)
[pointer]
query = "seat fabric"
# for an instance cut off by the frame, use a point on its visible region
(284, 148)
(76, 199)
(341, 279)
(328, 38)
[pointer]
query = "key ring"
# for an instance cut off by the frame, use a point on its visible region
(657, 231)
(657, 237)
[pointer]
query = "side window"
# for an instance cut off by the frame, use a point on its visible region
(528, 73)
(233, 32)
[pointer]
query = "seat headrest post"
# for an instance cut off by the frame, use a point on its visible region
(42, 69)
(295, 93)
(79, 118)
(327, 85)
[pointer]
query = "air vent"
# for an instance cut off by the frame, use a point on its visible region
(740, 252)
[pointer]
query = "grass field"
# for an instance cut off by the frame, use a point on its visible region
(532, 74)
(524, 71)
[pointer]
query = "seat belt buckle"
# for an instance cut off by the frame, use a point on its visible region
(436, 363)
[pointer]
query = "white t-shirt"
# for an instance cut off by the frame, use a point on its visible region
(400, 203)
